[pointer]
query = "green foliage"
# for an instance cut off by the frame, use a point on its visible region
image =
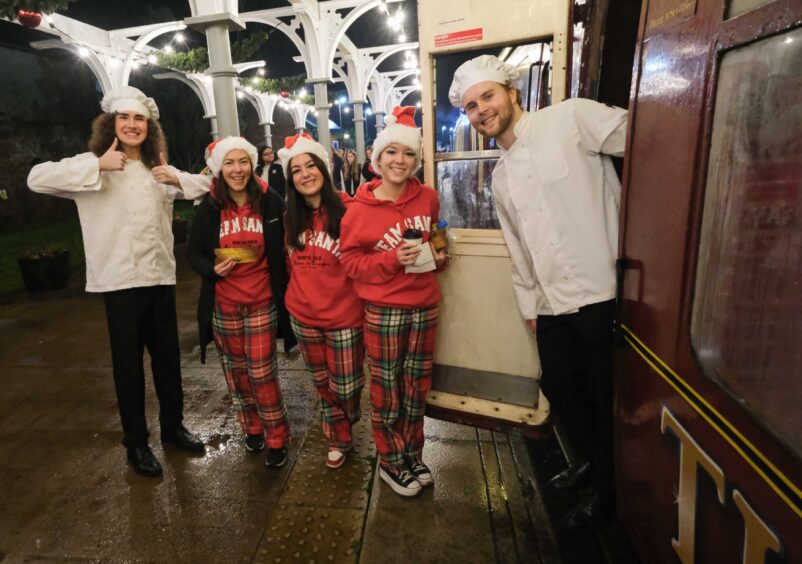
(8, 8)
(276, 85)
(55, 235)
(194, 60)
(197, 59)
(242, 51)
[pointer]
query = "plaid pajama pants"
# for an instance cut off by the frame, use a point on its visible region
(335, 360)
(400, 347)
(246, 342)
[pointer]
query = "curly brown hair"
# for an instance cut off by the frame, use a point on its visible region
(103, 134)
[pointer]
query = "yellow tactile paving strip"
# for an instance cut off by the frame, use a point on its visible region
(321, 512)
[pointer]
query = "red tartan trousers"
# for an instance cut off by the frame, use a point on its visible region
(246, 343)
(400, 346)
(334, 358)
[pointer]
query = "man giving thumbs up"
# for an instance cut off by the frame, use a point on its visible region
(124, 190)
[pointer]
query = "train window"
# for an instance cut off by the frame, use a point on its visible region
(738, 7)
(746, 323)
(464, 159)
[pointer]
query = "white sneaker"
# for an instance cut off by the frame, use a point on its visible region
(335, 458)
(402, 482)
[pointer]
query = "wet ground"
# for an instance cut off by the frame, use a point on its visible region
(67, 494)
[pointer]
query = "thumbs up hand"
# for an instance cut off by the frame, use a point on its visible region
(112, 159)
(163, 175)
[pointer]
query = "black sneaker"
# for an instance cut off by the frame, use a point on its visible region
(421, 473)
(254, 443)
(401, 481)
(276, 457)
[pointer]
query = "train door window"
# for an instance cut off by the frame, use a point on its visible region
(746, 325)
(464, 159)
(738, 7)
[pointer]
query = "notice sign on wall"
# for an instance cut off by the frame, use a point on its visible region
(457, 37)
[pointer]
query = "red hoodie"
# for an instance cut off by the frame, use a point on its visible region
(248, 282)
(371, 232)
(320, 294)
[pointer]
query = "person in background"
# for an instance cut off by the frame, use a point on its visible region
(557, 197)
(351, 174)
(326, 313)
(124, 191)
(270, 171)
(368, 172)
(401, 308)
(337, 164)
(236, 244)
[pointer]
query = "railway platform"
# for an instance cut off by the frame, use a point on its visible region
(69, 496)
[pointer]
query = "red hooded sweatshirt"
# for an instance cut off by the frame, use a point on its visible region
(320, 294)
(369, 235)
(247, 283)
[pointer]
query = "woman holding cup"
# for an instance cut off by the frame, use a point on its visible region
(396, 280)
(236, 244)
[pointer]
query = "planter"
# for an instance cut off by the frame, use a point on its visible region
(180, 231)
(49, 272)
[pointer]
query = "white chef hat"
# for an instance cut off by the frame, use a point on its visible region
(484, 68)
(219, 149)
(297, 145)
(129, 99)
(400, 128)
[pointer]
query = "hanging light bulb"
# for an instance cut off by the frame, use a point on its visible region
(168, 49)
(179, 37)
(83, 52)
(152, 59)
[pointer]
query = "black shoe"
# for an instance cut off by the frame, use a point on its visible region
(143, 461)
(571, 477)
(254, 443)
(592, 512)
(183, 439)
(276, 457)
(403, 482)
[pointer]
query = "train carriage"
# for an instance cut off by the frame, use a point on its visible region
(707, 388)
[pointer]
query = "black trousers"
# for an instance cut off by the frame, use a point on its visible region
(139, 318)
(576, 352)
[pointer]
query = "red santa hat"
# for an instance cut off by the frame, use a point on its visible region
(217, 151)
(400, 129)
(298, 145)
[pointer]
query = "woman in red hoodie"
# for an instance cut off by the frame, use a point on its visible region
(397, 282)
(236, 244)
(326, 313)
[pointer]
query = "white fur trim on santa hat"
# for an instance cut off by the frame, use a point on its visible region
(300, 146)
(129, 99)
(221, 147)
(397, 133)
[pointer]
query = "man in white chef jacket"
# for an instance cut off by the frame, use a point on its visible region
(124, 190)
(557, 198)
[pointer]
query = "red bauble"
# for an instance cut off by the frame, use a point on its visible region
(29, 19)
(284, 94)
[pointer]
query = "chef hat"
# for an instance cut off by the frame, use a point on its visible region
(484, 68)
(298, 145)
(220, 148)
(401, 129)
(130, 99)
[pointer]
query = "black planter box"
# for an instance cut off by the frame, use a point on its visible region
(49, 272)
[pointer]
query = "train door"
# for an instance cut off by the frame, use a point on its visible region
(708, 388)
(486, 366)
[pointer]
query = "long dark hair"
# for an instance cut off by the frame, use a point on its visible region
(261, 166)
(223, 196)
(103, 134)
(299, 213)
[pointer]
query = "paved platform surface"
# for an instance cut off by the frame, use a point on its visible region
(67, 494)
